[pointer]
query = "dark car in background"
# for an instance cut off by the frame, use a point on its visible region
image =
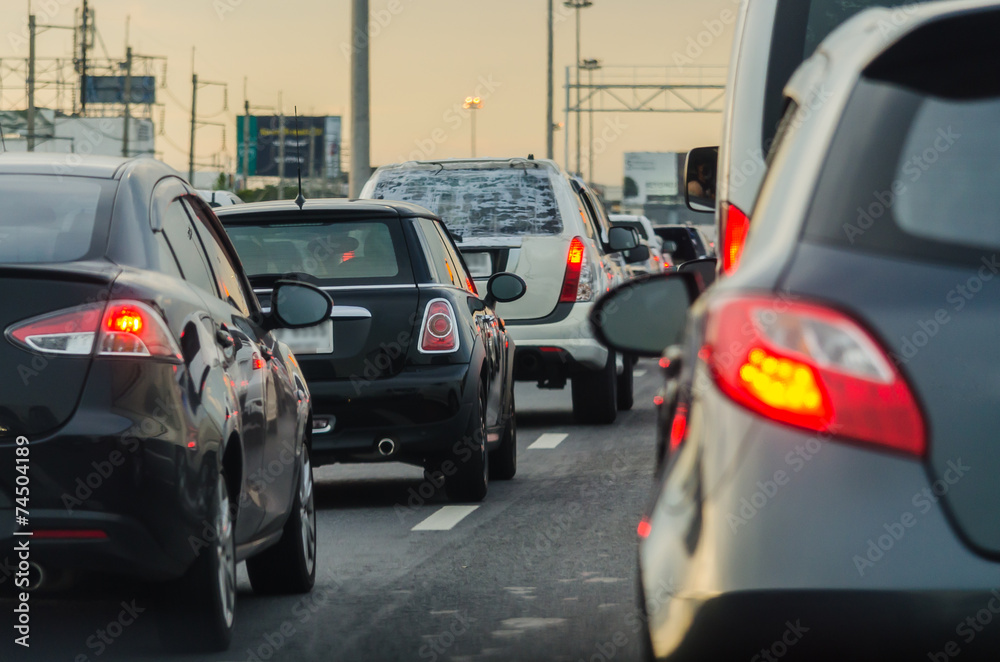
(414, 365)
(687, 242)
(830, 490)
(143, 394)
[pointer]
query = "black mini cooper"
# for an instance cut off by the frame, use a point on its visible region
(414, 365)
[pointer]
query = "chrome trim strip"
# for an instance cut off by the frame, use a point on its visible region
(338, 288)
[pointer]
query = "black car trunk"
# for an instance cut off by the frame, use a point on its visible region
(40, 393)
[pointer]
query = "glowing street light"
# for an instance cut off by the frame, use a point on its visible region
(473, 104)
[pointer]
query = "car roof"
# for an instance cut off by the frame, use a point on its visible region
(477, 162)
(288, 210)
(73, 165)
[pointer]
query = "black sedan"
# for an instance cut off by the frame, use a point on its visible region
(151, 426)
(414, 365)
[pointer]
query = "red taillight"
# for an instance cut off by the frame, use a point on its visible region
(440, 329)
(348, 256)
(132, 328)
(576, 264)
(644, 528)
(70, 332)
(678, 428)
(736, 226)
(814, 368)
(69, 534)
(258, 362)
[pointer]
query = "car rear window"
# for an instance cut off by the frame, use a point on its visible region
(345, 252)
(686, 247)
(635, 225)
(914, 174)
(476, 201)
(45, 218)
(799, 28)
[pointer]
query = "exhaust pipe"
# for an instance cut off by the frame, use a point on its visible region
(386, 447)
(36, 576)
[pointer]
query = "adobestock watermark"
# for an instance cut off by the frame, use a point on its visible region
(783, 644)
(440, 643)
(225, 7)
(969, 628)
(714, 29)
(923, 501)
(105, 637)
(436, 480)
(44, 11)
(913, 169)
(379, 20)
(959, 297)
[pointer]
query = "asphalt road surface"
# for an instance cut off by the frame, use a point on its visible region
(543, 569)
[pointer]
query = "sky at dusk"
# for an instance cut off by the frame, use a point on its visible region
(426, 57)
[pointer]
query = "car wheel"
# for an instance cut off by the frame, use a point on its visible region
(503, 461)
(470, 481)
(626, 391)
(199, 609)
(594, 394)
(290, 565)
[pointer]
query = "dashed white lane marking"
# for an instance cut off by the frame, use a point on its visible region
(548, 441)
(445, 519)
(639, 373)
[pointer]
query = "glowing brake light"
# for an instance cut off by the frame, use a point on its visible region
(125, 320)
(678, 428)
(811, 367)
(737, 224)
(132, 328)
(578, 282)
(439, 333)
(644, 528)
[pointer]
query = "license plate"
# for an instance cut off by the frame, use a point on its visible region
(480, 264)
(311, 340)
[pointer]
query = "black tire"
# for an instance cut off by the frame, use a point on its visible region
(626, 387)
(471, 479)
(198, 610)
(503, 461)
(595, 398)
(290, 566)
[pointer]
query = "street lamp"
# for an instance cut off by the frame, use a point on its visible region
(473, 104)
(590, 66)
(578, 5)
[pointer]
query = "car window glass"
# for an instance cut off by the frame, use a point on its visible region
(167, 261)
(455, 258)
(230, 286)
(589, 221)
(180, 233)
(447, 270)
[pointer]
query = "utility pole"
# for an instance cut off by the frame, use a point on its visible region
(128, 100)
(194, 125)
(360, 99)
(83, 63)
(31, 83)
(566, 142)
(550, 107)
(281, 149)
(578, 5)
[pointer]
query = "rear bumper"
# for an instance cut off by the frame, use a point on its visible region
(424, 411)
(572, 335)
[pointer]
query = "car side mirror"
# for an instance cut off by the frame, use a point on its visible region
(297, 305)
(700, 181)
(637, 255)
(622, 239)
(644, 317)
(504, 288)
(705, 268)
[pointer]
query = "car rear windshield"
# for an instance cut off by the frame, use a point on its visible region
(476, 201)
(799, 28)
(342, 253)
(687, 247)
(913, 173)
(45, 218)
(635, 225)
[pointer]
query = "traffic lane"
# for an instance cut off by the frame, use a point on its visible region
(535, 574)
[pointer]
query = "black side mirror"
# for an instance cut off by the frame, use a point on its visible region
(622, 239)
(637, 255)
(504, 288)
(297, 305)
(700, 181)
(643, 317)
(705, 268)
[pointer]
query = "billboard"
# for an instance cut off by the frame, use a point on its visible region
(314, 144)
(651, 177)
(111, 89)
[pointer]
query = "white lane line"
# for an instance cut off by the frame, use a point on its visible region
(548, 441)
(639, 373)
(445, 519)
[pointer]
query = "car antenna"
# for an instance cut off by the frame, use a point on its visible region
(300, 200)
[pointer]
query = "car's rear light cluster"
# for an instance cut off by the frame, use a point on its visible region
(578, 283)
(439, 331)
(812, 367)
(120, 328)
(736, 226)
